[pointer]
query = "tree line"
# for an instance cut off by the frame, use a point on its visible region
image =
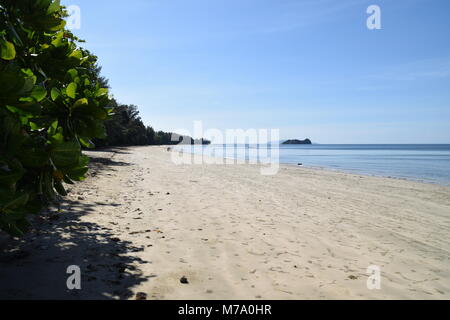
(53, 103)
(126, 128)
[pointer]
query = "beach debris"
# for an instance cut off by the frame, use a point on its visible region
(352, 277)
(81, 198)
(141, 296)
(167, 193)
(253, 271)
(184, 280)
(138, 232)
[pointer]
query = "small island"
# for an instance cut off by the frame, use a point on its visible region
(296, 141)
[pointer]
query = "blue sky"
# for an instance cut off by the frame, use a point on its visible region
(308, 67)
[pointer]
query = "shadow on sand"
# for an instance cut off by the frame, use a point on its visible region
(35, 267)
(118, 150)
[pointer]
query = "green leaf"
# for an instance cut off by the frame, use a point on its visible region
(101, 92)
(58, 137)
(77, 54)
(66, 154)
(7, 50)
(55, 6)
(38, 93)
(60, 188)
(42, 4)
(97, 113)
(87, 143)
(53, 127)
(67, 180)
(33, 157)
(71, 90)
(80, 102)
(16, 201)
(55, 93)
(84, 161)
(72, 73)
(58, 41)
(77, 174)
(47, 185)
(26, 109)
(55, 24)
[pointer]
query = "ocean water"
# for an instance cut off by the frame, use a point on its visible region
(424, 162)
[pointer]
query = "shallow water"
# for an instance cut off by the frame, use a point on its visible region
(430, 163)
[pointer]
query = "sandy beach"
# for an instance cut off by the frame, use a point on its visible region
(140, 223)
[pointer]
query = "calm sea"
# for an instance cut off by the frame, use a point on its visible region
(425, 162)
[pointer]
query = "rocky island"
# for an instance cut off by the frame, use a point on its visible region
(296, 141)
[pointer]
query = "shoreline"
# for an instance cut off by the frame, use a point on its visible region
(366, 174)
(341, 170)
(139, 223)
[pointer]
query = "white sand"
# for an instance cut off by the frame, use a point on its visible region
(236, 234)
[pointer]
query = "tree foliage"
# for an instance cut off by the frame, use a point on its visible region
(125, 128)
(52, 102)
